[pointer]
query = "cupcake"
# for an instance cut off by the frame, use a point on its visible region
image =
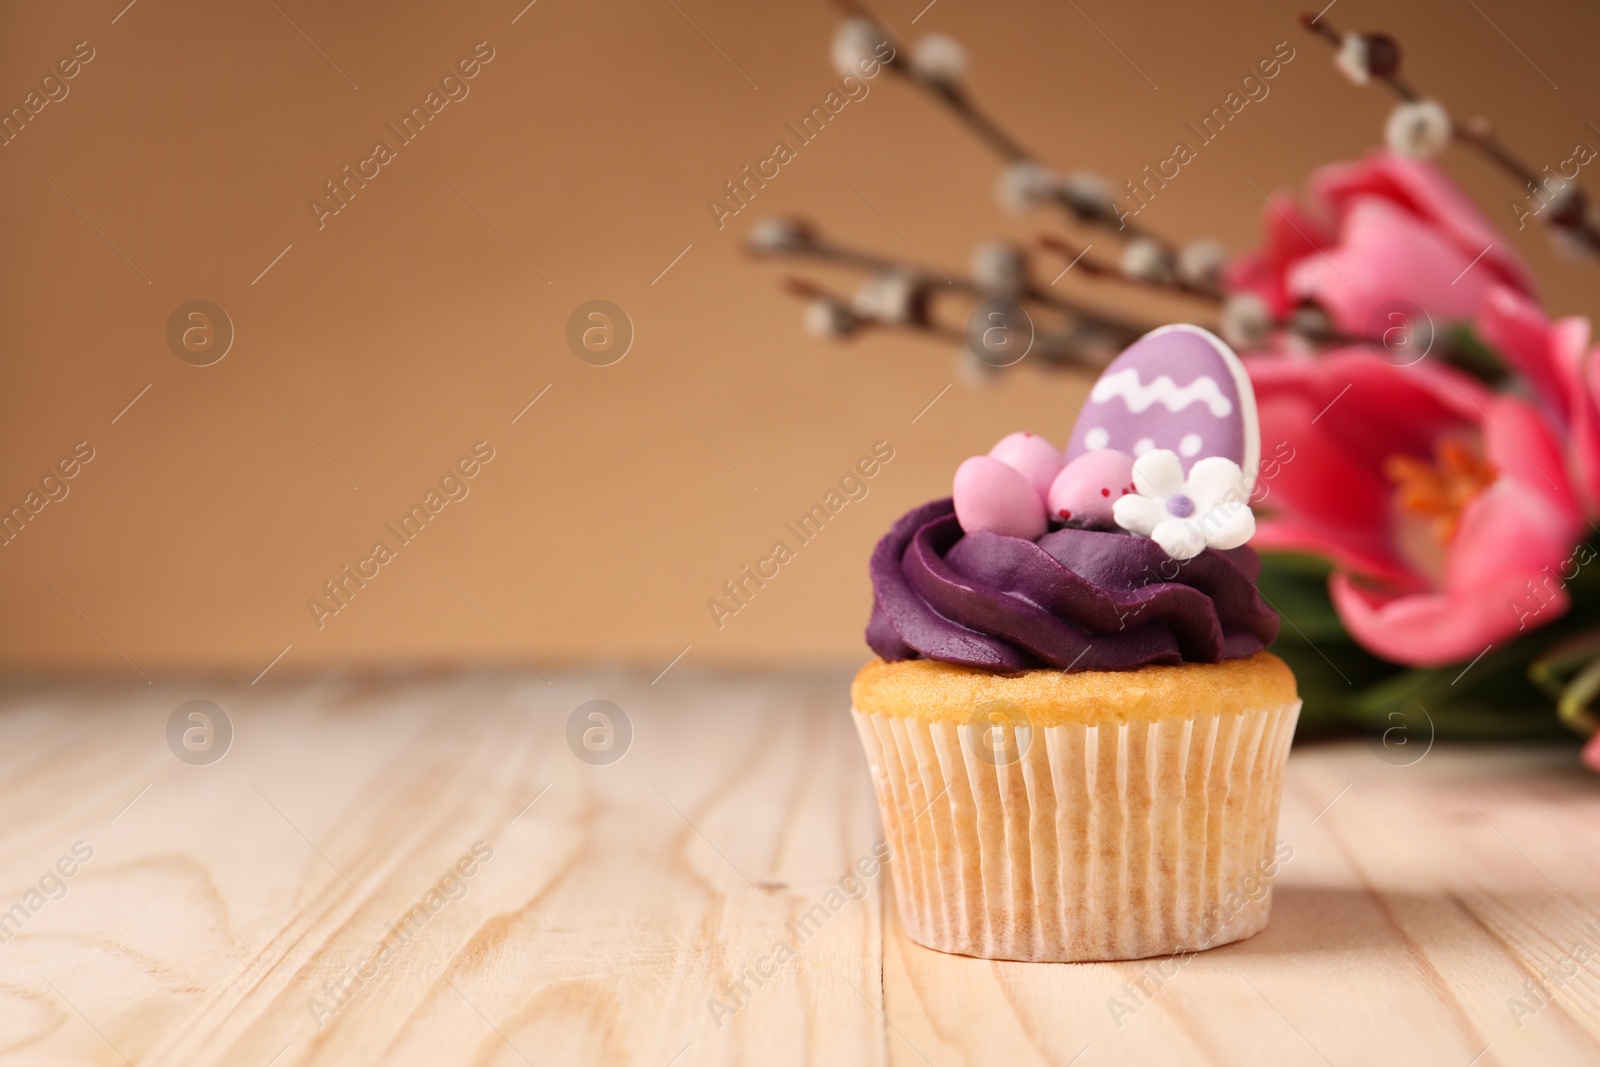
(1074, 729)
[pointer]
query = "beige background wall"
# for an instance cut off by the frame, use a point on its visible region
(408, 328)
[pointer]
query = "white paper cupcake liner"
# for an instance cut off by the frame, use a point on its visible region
(1093, 842)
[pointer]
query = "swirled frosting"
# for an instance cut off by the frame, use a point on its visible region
(1077, 600)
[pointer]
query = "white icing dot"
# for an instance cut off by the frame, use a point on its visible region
(1190, 444)
(1143, 445)
(1096, 439)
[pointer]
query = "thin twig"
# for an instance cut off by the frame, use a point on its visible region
(992, 134)
(1478, 133)
(1055, 348)
(875, 263)
(1098, 269)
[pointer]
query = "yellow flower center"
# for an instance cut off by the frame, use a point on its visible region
(1437, 492)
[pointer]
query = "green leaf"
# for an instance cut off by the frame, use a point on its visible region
(1465, 350)
(1296, 586)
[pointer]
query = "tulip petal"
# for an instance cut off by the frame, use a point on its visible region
(1523, 448)
(1289, 233)
(1505, 564)
(1432, 629)
(1578, 374)
(1515, 327)
(1370, 556)
(1329, 427)
(1424, 190)
(1585, 447)
(1387, 255)
(1508, 535)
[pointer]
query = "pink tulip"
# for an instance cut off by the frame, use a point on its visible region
(1292, 234)
(1591, 753)
(1378, 231)
(1438, 501)
(1555, 359)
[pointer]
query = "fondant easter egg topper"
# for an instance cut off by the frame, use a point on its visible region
(1166, 447)
(1178, 388)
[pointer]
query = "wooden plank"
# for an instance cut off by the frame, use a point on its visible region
(624, 906)
(216, 910)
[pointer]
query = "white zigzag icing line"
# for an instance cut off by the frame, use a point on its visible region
(1138, 396)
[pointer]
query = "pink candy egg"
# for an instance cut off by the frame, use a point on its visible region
(1031, 455)
(1083, 493)
(993, 496)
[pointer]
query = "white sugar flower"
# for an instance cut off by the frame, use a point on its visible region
(1185, 516)
(1418, 129)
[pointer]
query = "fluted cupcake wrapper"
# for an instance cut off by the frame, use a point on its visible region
(1082, 842)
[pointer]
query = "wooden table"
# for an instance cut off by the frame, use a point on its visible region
(608, 908)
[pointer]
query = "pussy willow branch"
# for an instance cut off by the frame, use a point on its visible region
(1055, 348)
(1321, 334)
(1317, 333)
(1478, 133)
(992, 134)
(806, 289)
(826, 251)
(1079, 257)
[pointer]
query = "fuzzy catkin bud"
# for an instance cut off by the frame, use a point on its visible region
(828, 320)
(1146, 261)
(939, 59)
(1089, 195)
(1000, 269)
(1200, 263)
(780, 234)
(1246, 321)
(1418, 129)
(855, 43)
(892, 298)
(1026, 186)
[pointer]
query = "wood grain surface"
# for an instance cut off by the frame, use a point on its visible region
(419, 869)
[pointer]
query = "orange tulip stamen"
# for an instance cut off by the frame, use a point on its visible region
(1439, 491)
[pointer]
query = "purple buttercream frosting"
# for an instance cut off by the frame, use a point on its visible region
(1079, 600)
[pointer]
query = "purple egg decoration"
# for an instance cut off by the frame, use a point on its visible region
(1180, 388)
